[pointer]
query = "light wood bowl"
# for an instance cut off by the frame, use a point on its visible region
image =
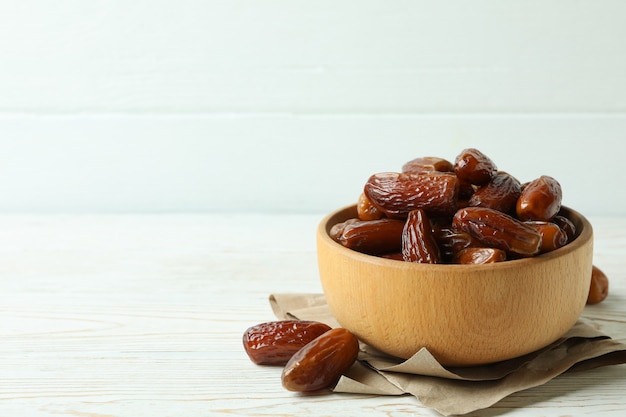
(463, 314)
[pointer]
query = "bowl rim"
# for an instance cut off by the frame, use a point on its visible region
(582, 237)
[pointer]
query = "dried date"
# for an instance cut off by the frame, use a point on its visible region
(396, 194)
(499, 230)
(366, 210)
(373, 237)
(475, 167)
(501, 193)
(552, 236)
(478, 256)
(321, 362)
(566, 225)
(599, 287)
(275, 342)
(418, 243)
(540, 200)
(452, 241)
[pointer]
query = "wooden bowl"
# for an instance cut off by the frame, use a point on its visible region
(463, 314)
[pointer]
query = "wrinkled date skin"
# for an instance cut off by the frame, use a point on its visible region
(275, 342)
(418, 243)
(540, 200)
(428, 163)
(475, 167)
(451, 241)
(478, 256)
(396, 194)
(373, 237)
(501, 193)
(552, 236)
(320, 363)
(499, 230)
(599, 288)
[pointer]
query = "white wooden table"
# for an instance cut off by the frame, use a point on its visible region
(142, 315)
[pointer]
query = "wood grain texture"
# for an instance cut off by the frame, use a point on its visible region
(464, 315)
(142, 315)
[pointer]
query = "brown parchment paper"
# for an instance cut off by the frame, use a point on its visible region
(455, 391)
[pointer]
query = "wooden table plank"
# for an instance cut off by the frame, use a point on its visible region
(130, 315)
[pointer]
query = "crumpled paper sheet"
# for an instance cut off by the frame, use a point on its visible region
(454, 391)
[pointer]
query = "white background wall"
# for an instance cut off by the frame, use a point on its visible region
(286, 105)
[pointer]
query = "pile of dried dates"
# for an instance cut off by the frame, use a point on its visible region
(466, 212)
